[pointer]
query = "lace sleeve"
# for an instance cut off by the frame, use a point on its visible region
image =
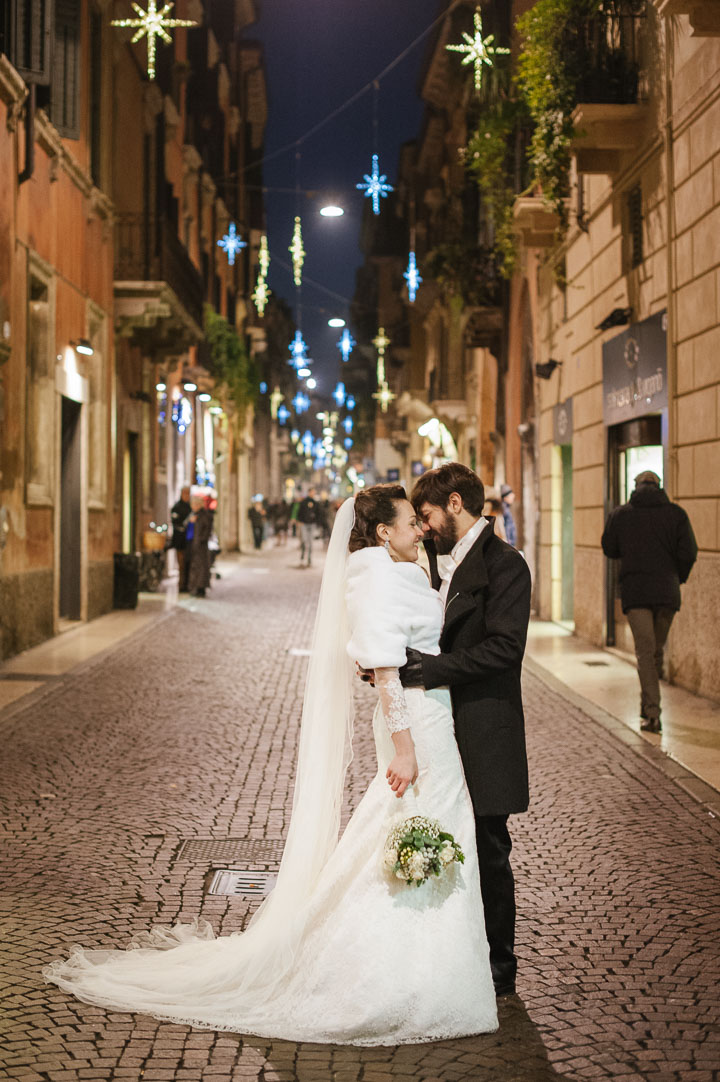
(392, 700)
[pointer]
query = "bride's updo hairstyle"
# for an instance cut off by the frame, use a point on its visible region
(374, 506)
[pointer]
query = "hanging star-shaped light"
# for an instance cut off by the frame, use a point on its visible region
(384, 396)
(375, 186)
(350, 403)
(261, 295)
(307, 442)
(232, 243)
(264, 256)
(381, 343)
(282, 414)
(298, 347)
(347, 443)
(348, 425)
(300, 402)
(346, 344)
(155, 24)
(275, 399)
(412, 277)
(478, 50)
(297, 252)
(339, 394)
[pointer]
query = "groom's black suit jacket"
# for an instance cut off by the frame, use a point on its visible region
(482, 645)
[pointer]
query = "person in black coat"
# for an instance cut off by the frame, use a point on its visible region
(656, 546)
(487, 610)
(179, 515)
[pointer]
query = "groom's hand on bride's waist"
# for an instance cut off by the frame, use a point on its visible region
(411, 673)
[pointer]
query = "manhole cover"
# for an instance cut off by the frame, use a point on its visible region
(596, 664)
(231, 850)
(248, 884)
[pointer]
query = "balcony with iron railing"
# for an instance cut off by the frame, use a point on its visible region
(156, 283)
(607, 57)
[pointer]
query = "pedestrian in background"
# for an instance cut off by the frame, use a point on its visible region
(494, 510)
(281, 521)
(199, 532)
(656, 546)
(256, 514)
(307, 516)
(179, 516)
(508, 499)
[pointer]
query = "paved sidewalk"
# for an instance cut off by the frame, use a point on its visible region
(187, 730)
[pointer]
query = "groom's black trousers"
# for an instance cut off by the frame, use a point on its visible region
(498, 895)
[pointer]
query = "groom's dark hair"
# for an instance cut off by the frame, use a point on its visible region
(436, 487)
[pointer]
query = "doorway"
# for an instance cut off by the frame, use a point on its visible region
(70, 511)
(632, 447)
(129, 517)
(567, 542)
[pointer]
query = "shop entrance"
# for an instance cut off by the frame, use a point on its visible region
(567, 544)
(632, 447)
(130, 487)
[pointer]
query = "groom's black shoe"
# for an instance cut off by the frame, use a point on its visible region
(504, 990)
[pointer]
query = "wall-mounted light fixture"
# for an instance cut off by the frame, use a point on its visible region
(204, 397)
(83, 346)
(189, 386)
(545, 371)
(619, 317)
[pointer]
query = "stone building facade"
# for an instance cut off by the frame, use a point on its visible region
(115, 190)
(635, 326)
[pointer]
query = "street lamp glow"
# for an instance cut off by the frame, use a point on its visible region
(312, 384)
(336, 322)
(190, 386)
(332, 211)
(204, 397)
(161, 387)
(303, 373)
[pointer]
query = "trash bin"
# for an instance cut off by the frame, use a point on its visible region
(126, 581)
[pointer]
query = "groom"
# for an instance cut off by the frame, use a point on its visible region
(487, 608)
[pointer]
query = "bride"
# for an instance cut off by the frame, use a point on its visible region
(341, 951)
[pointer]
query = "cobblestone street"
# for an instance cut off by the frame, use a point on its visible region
(188, 731)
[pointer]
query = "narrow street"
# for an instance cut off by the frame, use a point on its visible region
(186, 732)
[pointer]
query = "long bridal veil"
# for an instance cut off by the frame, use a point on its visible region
(196, 973)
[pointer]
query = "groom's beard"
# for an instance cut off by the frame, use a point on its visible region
(445, 538)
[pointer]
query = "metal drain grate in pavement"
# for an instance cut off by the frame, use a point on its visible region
(248, 884)
(231, 850)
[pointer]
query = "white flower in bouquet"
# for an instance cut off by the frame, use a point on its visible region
(400, 874)
(447, 854)
(390, 858)
(416, 866)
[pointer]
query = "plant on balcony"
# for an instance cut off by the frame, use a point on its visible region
(487, 157)
(572, 51)
(467, 274)
(232, 364)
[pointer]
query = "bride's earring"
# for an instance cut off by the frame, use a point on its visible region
(387, 546)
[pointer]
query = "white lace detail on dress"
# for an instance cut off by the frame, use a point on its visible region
(392, 700)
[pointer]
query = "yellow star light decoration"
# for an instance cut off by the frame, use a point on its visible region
(479, 50)
(261, 295)
(381, 343)
(155, 24)
(384, 396)
(297, 252)
(264, 256)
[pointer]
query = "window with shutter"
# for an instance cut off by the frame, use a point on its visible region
(635, 226)
(65, 89)
(25, 32)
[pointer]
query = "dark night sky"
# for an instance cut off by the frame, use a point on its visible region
(318, 53)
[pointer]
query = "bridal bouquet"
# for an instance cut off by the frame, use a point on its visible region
(417, 848)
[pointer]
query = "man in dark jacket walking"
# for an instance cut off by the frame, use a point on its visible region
(656, 546)
(487, 609)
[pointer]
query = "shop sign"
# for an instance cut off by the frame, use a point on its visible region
(635, 371)
(563, 422)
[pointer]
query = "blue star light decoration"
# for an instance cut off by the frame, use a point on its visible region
(350, 403)
(300, 402)
(348, 425)
(478, 50)
(298, 348)
(375, 186)
(283, 414)
(346, 344)
(232, 243)
(412, 277)
(347, 443)
(339, 394)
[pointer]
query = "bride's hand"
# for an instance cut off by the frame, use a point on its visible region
(403, 771)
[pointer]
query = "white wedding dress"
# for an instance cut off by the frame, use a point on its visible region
(359, 957)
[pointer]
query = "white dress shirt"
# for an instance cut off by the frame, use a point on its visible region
(447, 565)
